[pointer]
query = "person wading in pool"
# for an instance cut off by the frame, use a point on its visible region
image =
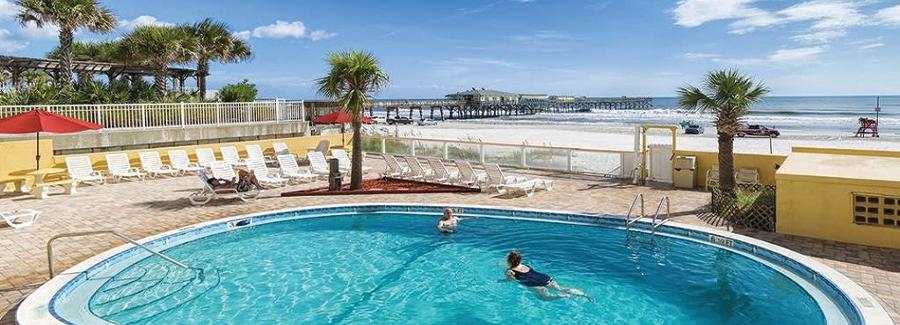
(448, 222)
(538, 282)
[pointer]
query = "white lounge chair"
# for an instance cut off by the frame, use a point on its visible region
(179, 161)
(81, 170)
(393, 167)
(261, 171)
(255, 151)
(439, 172)
(712, 177)
(281, 148)
(322, 147)
(468, 176)
(526, 188)
(120, 167)
(205, 157)
(416, 171)
(231, 156)
(344, 162)
(317, 163)
(208, 193)
(290, 169)
(748, 176)
(21, 218)
(495, 177)
(152, 164)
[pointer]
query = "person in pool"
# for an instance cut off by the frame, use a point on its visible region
(538, 282)
(448, 221)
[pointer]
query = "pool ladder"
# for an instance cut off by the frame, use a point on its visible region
(98, 232)
(629, 220)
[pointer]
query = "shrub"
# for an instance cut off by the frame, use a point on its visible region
(243, 91)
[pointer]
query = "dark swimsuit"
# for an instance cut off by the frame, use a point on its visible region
(532, 278)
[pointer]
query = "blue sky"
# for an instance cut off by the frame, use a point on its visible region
(595, 48)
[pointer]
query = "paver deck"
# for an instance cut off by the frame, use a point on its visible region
(141, 209)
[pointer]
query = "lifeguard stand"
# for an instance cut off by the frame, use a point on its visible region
(867, 126)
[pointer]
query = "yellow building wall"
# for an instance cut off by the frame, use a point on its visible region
(17, 158)
(764, 163)
(824, 209)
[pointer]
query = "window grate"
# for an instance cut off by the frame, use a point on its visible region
(874, 209)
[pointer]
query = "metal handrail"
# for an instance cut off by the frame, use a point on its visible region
(656, 214)
(628, 219)
(90, 233)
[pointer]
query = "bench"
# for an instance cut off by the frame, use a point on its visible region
(19, 183)
(42, 190)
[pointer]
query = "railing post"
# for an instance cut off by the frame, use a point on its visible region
(383, 146)
(218, 113)
(183, 124)
(412, 148)
(302, 111)
(446, 151)
(249, 113)
(98, 116)
(569, 153)
(277, 110)
(143, 116)
(481, 152)
(524, 158)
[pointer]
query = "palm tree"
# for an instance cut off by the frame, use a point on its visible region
(212, 41)
(353, 77)
(728, 94)
(69, 16)
(158, 47)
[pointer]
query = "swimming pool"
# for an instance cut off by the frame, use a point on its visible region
(387, 263)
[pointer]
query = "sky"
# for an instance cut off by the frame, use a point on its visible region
(562, 47)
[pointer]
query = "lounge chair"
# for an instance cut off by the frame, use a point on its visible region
(255, 151)
(21, 218)
(120, 167)
(261, 171)
(317, 163)
(152, 164)
(344, 161)
(231, 156)
(495, 177)
(416, 171)
(290, 169)
(281, 148)
(81, 170)
(746, 176)
(712, 177)
(526, 188)
(180, 162)
(468, 176)
(323, 147)
(393, 167)
(205, 157)
(439, 172)
(208, 193)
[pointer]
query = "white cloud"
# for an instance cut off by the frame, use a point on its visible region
(8, 9)
(281, 29)
(47, 32)
(320, 35)
(699, 56)
(244, 35)
(871, 46)
(142, 21)
(824, 36)
(479, 61)
(693, 13)
(889, 16)
(8, 43)
(794, 55)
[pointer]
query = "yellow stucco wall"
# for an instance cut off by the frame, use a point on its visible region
(763, 163)
(17, 157)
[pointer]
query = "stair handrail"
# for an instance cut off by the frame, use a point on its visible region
(98, 232)
(656, 214)
(628, 219)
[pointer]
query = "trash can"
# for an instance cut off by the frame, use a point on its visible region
(685, 171)
(335, 177)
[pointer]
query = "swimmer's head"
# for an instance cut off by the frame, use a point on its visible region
(448, 212)
(513, 259)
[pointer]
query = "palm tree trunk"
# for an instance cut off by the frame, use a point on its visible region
(726, 164)
(202, 71)
(356, 163)
(66, 37)
(159, 79)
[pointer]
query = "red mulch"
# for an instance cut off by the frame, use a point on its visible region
(387, 186)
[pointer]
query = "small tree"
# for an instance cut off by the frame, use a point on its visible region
(158, 46)
(213, 41)
(243, 91)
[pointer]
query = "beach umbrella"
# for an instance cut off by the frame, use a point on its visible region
(339, 117)
(38, 121)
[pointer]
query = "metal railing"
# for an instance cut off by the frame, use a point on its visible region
(91, 233)
(628, 219)
(173, 115)
(653, 223)
(612, 163)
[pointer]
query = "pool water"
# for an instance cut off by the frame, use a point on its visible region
(396, 268)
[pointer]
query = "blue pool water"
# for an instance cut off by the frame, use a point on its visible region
(395, 268)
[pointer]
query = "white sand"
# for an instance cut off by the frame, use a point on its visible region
(622, 137)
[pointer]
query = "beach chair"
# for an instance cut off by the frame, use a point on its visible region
(179, 161)
(748, 176)
(439, 172)
(495, 177)
(712, 177)
(468, 176)
(344, 161)
(394, 169)
(322, 147)
(20, 218)
(317, 163)
(526, 188)
(281, 149)
(152, 164)
(208, 193)
(416, 171)
(231, 156)
(119, 167)
(261, 171)
(255, 151)
(81, 170)
(290, 169)
(205, 157)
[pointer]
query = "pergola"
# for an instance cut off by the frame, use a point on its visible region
(16, 65)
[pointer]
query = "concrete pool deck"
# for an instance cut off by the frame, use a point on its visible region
(142, 209)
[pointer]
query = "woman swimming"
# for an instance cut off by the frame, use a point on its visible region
(538, 282)
(448, 221)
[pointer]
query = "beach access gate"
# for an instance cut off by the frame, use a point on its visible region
(842, 195)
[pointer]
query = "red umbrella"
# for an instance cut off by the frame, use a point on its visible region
(339, 117)
(38, 121)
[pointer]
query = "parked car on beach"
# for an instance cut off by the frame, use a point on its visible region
(757, 130)
(693, 129)
(399, 120)
(426, 122)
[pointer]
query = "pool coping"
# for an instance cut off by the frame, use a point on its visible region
(36, 308)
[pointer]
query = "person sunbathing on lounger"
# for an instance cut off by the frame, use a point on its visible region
(244, 182)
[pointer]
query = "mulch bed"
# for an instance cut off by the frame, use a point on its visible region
(387, 185)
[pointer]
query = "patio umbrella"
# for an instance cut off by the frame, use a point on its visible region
(339, 117)
(38, 121)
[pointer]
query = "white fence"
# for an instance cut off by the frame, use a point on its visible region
(567, 159)
(173, 115)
